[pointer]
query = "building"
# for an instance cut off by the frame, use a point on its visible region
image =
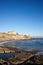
(12, 32)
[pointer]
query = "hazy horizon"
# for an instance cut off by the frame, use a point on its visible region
(22, 16)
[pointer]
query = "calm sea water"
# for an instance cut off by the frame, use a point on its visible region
(7, 55)
(27, 45)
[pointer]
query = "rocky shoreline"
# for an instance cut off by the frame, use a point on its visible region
(22, 57)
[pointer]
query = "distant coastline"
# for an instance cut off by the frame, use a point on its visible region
(12, 35)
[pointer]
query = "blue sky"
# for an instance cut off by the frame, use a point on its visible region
(22, 16)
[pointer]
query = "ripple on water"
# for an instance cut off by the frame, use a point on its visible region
(26, 44)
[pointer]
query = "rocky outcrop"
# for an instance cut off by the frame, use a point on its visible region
(21, 58)
(35, 60)
(2, 62)
(6, 50)
(13, 36)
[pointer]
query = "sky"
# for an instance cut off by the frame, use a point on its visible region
(22, 16)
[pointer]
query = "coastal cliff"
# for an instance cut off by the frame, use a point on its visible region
(12, 35)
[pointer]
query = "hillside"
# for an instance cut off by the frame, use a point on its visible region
(12, 35)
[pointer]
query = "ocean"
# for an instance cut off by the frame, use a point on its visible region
(27, 45)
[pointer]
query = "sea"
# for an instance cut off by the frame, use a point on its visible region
(26, 45)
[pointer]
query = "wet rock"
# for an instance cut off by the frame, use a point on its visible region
(6, 63)
(5, 50)
(21, 58)
(39, 60)
(36, 60)
(2, 62)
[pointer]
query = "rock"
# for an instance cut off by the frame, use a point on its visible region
(5, 50)
(36, 60)
(39, 60)
(21, 58)
(12, 35)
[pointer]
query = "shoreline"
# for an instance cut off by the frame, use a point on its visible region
(4, 41)
(21, 57)
(14, 46)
